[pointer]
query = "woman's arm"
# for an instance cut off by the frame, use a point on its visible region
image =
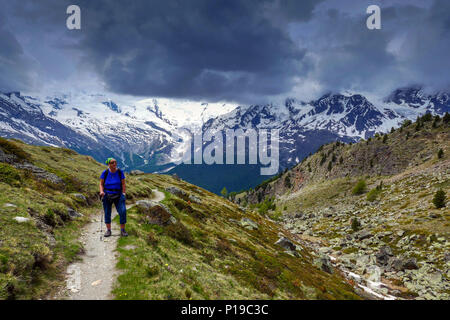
(123, 186)
(102, 191)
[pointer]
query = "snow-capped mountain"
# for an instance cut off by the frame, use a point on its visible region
(147, 134)
(140, 133)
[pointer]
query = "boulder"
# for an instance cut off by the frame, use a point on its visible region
(324, 263)
(410, 264)
(249, 224)
(194, 199)
(286, 244)
(136, 172)
(145, 204)
(155, 213)
(73, 214)
(21, 219)
(384, 255)
(374, 273)
(364, 235)
(176, 191)
(9, 205)
(80, 197)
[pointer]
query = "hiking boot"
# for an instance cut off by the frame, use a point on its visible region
(123, 233)
(108, 233)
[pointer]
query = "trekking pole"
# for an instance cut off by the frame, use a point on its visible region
(101, 222)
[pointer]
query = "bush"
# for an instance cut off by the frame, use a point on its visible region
(385, 138)
(12, 148)
(287, 182)
(440, 153)
(179, 232)
(427, 117)
(9, 175)
(360, 187)
(446, 118)
(439, 199)
(406, 123)
(356, 225)
(373, 194)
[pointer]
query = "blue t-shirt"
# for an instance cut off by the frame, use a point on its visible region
(112, 181)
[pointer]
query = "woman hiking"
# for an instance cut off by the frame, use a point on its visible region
(112, 190)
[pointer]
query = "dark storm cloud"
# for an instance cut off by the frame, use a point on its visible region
(199, 49)
(16, 70)
(239, 50)
(411, 48)
(196, 49)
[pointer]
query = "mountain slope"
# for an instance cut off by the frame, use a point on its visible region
(388, 234)
(213, 250)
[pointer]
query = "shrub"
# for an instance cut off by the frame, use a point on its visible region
(385, 138)
(373, 194)
(406, 123)
(224, 192)
(360, 187)
(287, 182)
(427, 117)
(179, 232)
(356, 225)
(13, 148)
(330, 165)
(9, 175)
(440, 153)
(446, 118)
(323, 158)
(439, 199)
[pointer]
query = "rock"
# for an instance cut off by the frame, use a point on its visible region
(9, 205)
(286, 244)
(194, 199)
(410, 264)
(447, 257)
(364, 235)
(249, 224)
(176, 177)
(73, 214)
(21, 219)
(400, 233)
(324, 263)
(176, 191)
(374, 273)
(384, 255)
(80, 197)
(145, 204)
(136, 172)
(435, 278)
(156, 213)
(298, 215)
(39, 172)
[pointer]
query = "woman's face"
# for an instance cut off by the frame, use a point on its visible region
(113, 164)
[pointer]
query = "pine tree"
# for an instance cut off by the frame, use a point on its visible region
(446, 118)
(439, 199)
(224, 192)
(440, 153)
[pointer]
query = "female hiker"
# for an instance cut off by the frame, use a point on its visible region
(112, 190)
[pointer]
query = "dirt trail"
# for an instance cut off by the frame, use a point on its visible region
(94, 276)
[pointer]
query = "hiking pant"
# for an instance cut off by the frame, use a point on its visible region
(120, 207)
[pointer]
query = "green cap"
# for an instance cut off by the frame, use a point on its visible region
(108, 160)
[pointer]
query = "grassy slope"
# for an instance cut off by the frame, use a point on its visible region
(206, 256)
(404, 202)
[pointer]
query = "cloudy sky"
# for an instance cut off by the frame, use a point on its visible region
(247, 51)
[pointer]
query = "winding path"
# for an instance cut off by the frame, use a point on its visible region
(94, 276)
